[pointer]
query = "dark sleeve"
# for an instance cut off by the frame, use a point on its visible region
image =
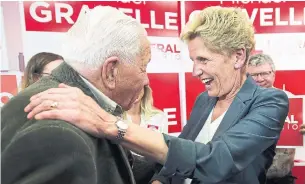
(50, 154)
(235, 149)
(159, 177)
(185, 130)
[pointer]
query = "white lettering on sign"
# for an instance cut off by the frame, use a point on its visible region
(254, 1)
(5, 95)
(171, 114)
(167, 51)
(135, 2)
(291, 120)
(172, 48)
(291, 126)
(46, 14)
(270, 17)
(266, 17)
(291, 123)
(64, 11)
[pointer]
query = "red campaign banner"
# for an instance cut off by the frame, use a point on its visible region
(160, 18)
(193, 87)
(267, 16)
(290, 135)
(8, 87)
(165, 87)
(298, 172)
(291, 81)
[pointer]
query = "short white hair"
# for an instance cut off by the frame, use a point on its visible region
(100, 33)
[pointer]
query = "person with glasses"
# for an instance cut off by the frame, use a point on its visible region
(39, 65)
(233, 127)
(261, 67)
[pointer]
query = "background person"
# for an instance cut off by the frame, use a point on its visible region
(143, 113)
(234, 125)
(262, 69)
(39, 65)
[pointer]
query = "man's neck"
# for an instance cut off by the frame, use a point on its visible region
(101, 93)
(96, 81)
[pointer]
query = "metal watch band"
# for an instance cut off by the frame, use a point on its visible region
(121, 134)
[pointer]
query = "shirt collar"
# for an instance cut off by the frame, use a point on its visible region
(110, 106)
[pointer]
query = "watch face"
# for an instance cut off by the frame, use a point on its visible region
(122, 125)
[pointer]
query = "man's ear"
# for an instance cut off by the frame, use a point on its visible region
(110, 72)
(240, 58)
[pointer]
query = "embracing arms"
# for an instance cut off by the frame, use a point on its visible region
(232, 152)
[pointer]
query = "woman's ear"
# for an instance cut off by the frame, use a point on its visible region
(240, 58)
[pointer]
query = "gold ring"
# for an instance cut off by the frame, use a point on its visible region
(54, 105)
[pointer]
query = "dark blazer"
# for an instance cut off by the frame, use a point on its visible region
(54, 151)
(243, 146)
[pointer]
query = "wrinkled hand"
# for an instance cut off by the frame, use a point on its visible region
(302, 129)
(74, 107)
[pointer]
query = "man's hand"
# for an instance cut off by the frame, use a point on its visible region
(302, 129)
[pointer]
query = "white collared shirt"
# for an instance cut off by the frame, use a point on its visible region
(207, 132)
(101, 97)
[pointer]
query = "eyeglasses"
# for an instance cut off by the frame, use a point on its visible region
(42, 74)
(262, 74)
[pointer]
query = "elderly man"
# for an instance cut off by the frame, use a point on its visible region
(104, 57)
(261, 68)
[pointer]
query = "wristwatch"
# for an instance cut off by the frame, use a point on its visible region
(122, 128)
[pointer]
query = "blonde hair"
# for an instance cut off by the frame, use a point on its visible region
(224, 30)
(147, 107)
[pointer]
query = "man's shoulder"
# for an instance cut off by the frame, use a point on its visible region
(54, 127)
(46, 132)
(14, 121)
(13, 110)
(27, 93)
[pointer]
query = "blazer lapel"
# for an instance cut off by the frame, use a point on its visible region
(202, 119)
(238, 106)
(66, 74)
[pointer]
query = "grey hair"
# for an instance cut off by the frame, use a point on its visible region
(100, 33)
(260, 59)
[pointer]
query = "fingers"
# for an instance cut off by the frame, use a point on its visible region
(65, 115)
(46, 106)
(62, 85)
(48, 97)
(52, 91)
(83, 119)
(55, 94)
